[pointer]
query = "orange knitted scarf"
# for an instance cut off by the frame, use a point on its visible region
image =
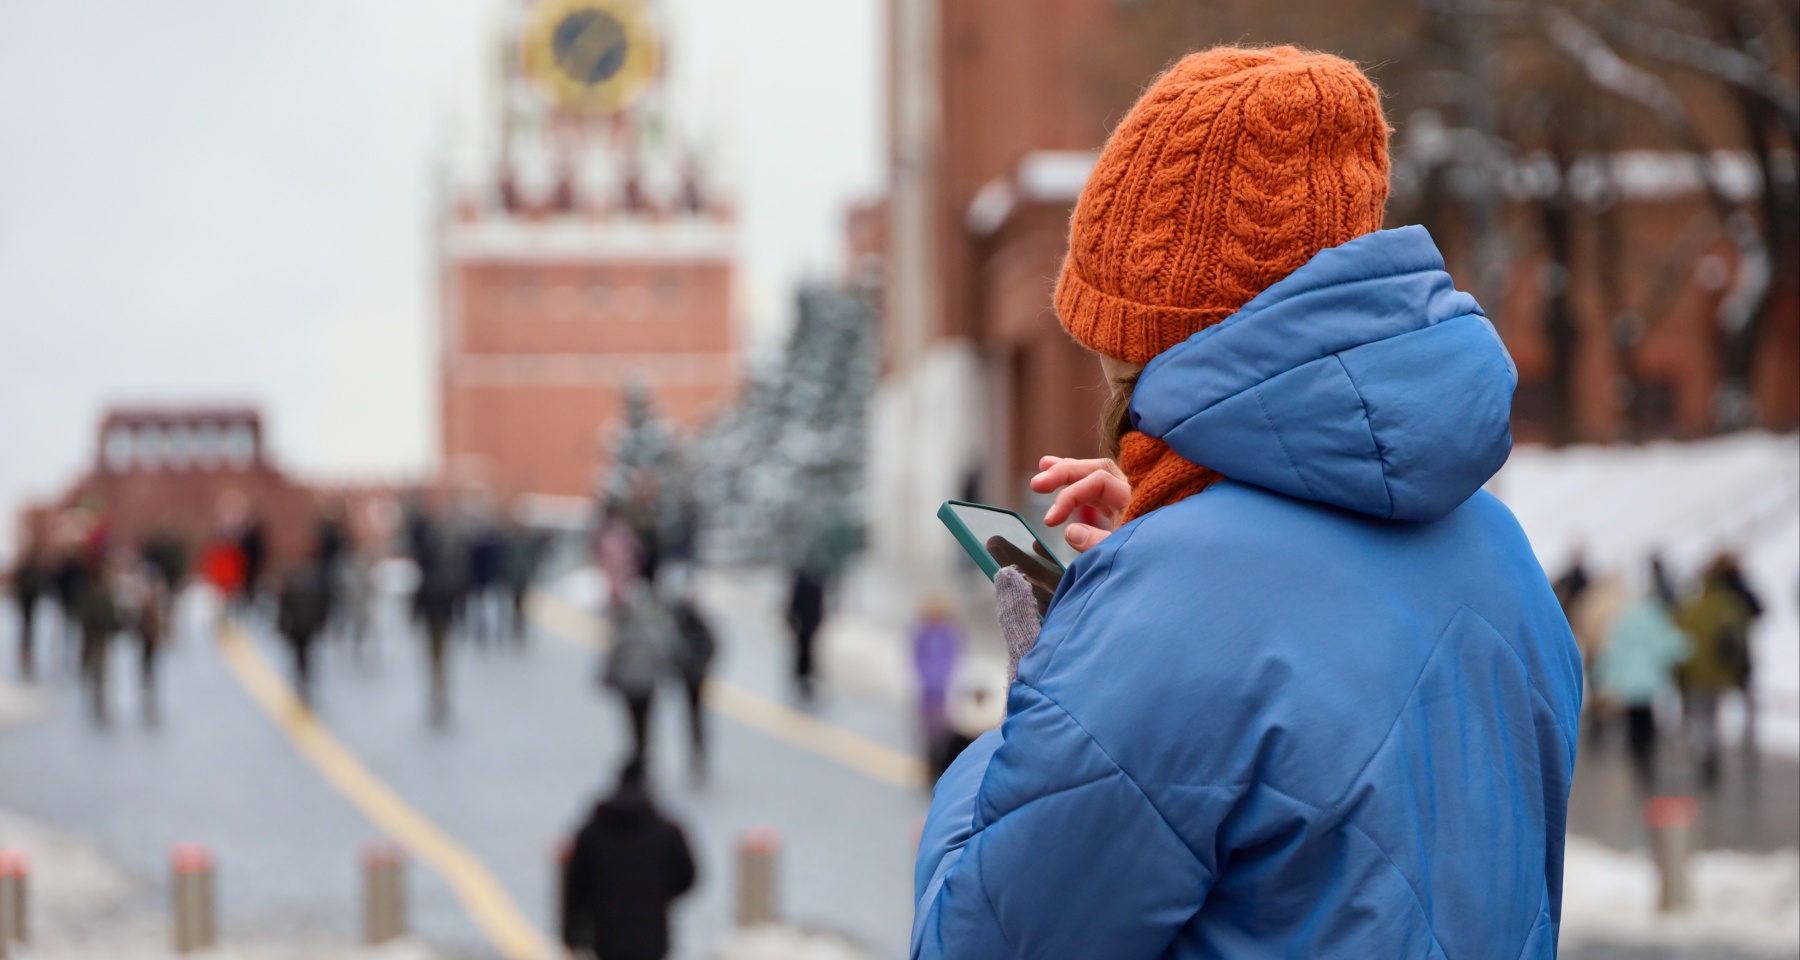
(1159, 476)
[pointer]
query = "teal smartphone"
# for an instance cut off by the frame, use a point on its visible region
(974, 524)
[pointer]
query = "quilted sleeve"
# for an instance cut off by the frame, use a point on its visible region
(1041, 846)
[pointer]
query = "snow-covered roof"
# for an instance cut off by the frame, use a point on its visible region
(1043, 176)
(1055, 176)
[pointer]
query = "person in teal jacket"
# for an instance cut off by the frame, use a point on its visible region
(1314, 698)
(1636, 666)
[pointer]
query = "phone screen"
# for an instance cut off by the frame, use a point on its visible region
(985, 524)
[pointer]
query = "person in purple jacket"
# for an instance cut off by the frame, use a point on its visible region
(937, 645)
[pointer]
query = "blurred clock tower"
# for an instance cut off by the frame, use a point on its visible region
(586, 248)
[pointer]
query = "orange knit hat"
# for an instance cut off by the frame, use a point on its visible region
(1233, 169)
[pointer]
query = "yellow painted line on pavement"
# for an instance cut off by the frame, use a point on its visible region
(872, 759)
(481, 895)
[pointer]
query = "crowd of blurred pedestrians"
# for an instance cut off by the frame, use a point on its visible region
(83, 589)
(1667, 653)
(84, 592)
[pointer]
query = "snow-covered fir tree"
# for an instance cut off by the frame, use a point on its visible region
(646, 449)
(784, 475)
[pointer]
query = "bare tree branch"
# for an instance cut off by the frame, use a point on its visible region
(1713, 59)
(1611, 72)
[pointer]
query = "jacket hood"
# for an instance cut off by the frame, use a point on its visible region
(1364, 379)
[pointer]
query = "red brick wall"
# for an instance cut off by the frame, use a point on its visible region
(538, 355)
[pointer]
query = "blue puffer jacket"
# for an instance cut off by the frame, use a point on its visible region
(1326, 708)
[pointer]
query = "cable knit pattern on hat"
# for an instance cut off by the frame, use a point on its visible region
(1233, 170)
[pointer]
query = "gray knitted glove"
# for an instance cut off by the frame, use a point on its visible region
(1017, 607)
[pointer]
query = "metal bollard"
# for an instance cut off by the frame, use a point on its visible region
(1671, 823)
(15, 913)
(758, 901)
(195, 922)
(384, 892)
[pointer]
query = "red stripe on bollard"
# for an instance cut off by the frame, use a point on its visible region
(378, 850)
(190, 858)
(762, 840)
(1671, 822)
(759, 899)
(384, 891)
(14, 900)
(194, 923)
(1660, 813)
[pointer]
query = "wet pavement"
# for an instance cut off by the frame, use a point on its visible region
(1754, 807)
(529, 745)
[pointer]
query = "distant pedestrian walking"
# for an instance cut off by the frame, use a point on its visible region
(937, 646)
(302, 611)
(806, 612)
(643, 641)
(434, 605)
(222, 564)
(1717, 622)
(1637, 665)
(524, 554)
(353, 596)
(1592, 617)
(695, 648)
(98, 616)
(144, 611)
(69, 582)
(1731, 577)
(629, 863)
(619, 554)
(487, 568)
(1572, 583)
(30, 579)
(253, 548)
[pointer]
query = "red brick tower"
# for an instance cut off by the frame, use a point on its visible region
(588, 249)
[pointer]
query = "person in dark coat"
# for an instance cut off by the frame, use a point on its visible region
(253, 548)
(487, 568)
(629, 863)
(806, 611)
(29, 579)
(435, 606)
(69, 581)
(303, 609)
(524, 553)
(1573, 583)
(695, 648)
(98, 617)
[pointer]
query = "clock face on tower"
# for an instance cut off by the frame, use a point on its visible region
(590, 56)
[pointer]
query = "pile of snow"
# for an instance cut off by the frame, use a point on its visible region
(772, 942)
(1744, 901)
(1687, 501)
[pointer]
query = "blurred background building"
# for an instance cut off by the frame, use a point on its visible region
(1614, 181)
(640, 359)
(179, 475)
(589, 250)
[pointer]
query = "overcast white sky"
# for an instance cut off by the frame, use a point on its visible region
(227, 200)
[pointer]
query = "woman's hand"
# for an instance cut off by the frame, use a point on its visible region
(1096, 488)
